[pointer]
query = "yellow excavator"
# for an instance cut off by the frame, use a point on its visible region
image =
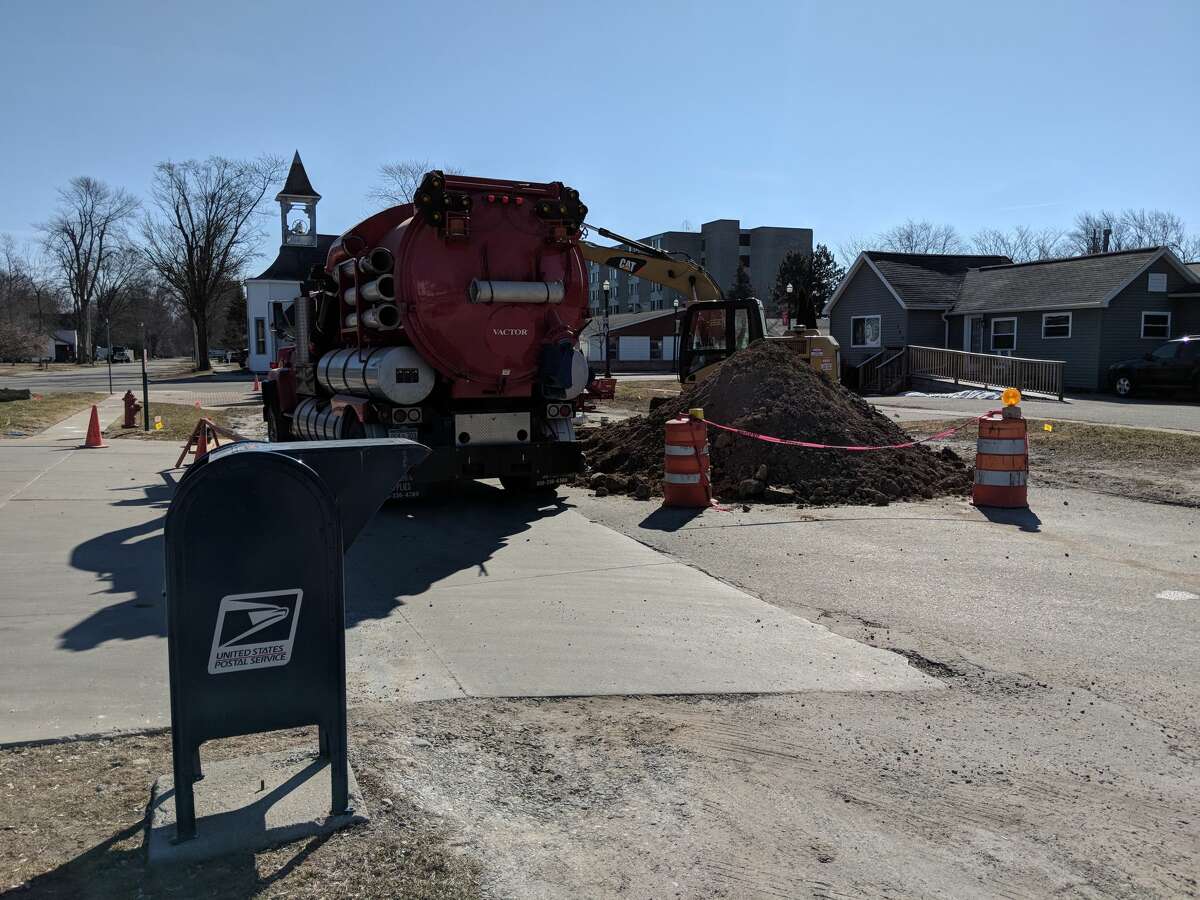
(713, 328)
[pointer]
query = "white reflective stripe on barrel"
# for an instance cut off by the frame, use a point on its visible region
(680, 450)
(992, 478)
(672, 478)
(1009, 446)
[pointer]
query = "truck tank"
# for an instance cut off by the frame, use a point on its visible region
(453, 320)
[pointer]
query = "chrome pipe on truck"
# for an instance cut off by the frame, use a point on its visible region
(377, 291)
(378, 262)
(396, 374)
(482, 291)
(383, 317)
(317, 421)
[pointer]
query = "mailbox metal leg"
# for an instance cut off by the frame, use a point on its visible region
(186, 759)
(339, 771)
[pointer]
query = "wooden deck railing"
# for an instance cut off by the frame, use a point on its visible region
(1044, 376)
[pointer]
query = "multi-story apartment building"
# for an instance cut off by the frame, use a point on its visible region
(719, 246)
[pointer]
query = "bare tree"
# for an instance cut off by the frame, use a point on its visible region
(84, 232)
(116, 286)
(1088, 234)
(398, 181)
(848, 250)
(920, 237)
(1158, 228)
(28, 302)
(1022, 244)
(204, 228)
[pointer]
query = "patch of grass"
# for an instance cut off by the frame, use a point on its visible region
(1095, 443)
(22, 417)
(178, 420)
(641, 391)
(73, 818)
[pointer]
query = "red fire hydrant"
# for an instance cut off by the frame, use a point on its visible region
(132, 408)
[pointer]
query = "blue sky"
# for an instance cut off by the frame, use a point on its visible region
(843, 117)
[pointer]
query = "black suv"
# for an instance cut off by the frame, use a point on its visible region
(1174, 365)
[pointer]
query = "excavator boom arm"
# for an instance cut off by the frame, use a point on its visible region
(682, 275)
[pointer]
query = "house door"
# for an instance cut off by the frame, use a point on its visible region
(973, 334)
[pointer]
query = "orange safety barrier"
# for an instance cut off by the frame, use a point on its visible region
(1002, 460)
(686, 479)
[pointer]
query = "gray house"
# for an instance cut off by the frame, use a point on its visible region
(890, 300)
(1088, 311)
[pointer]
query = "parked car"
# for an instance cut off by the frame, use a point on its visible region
(240, 356)
(1173, 366)
(218, 355)
(121, 354)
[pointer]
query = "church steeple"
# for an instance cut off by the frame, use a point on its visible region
(298, 207)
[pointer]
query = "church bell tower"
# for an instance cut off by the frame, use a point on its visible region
(298, 207)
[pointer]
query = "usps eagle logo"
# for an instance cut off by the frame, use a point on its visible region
(254, 631)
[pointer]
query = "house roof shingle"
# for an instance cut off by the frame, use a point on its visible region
(929, 278)
(294, 263)
(1080, 281)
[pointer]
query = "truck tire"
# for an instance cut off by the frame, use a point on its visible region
(279, 426)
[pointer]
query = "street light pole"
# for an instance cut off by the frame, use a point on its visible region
(145, 382)
(108, 327)
(607, 363)
(789, 290)
(675, 350)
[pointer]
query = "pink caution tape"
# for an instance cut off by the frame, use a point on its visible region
(855, 448)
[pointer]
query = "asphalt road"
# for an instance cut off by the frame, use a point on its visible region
(167, 374)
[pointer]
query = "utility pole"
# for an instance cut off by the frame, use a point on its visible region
(145, 382)
(607, 364)
(108, 337)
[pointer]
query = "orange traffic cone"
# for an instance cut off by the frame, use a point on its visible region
(93, 433)
(201, 439)
(257, 386)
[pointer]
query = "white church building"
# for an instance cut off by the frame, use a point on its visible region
(300, 248)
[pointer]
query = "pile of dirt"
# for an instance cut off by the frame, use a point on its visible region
(769, 390)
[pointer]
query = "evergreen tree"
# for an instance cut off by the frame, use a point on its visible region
(742, 289)
(813, 279)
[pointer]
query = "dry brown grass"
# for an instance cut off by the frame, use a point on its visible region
(1088, 443)
(22, 417)
(73, 815)
(178, 420)
(639, 393)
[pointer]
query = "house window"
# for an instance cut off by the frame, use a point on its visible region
(865, 331)
(1004, 335)
(656, 348)
(743, 240)
(1056, 325)
(260, 337)
(1156, 325)
(1158, 283)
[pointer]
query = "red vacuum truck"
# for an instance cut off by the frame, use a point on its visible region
(452, 320)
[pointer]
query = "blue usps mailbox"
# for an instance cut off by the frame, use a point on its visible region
(255, 604)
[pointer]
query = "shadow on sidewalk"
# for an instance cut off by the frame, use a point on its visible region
(407, 547)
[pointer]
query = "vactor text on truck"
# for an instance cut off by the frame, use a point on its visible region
(453, 321)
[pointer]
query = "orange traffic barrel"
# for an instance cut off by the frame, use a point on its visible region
(1001, 460)
(685, 463)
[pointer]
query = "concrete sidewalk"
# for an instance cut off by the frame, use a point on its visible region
(474, 595)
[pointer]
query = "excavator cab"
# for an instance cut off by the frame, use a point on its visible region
(714, 330)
